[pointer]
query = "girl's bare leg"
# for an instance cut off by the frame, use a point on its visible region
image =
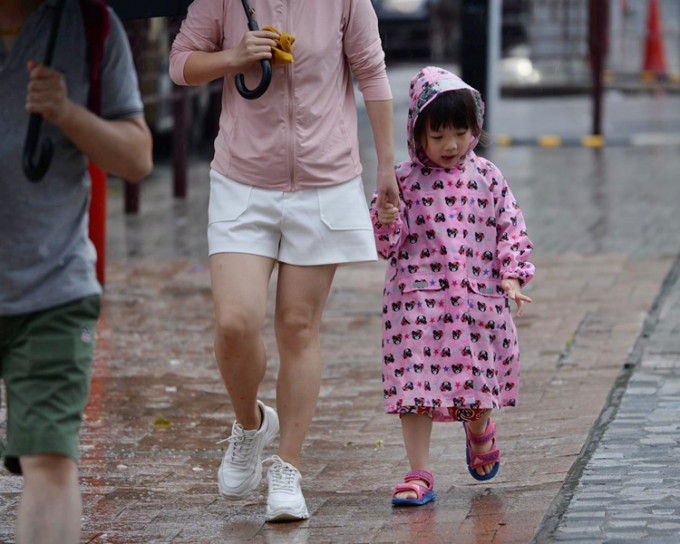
(416, 430)
(479, 427)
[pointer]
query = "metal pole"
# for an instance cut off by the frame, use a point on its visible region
(474, 47)
(180, 136)
(493, 67)
(136, 31)
(597, 41)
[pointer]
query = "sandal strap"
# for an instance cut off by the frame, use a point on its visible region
(419, 474)
(488, 458)
(486, 436)
(418, 489)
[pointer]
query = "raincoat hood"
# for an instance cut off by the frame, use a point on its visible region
(427, 85)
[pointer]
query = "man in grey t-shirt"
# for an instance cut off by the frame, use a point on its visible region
(49, 294)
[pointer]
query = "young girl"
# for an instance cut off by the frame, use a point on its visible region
(457, 250)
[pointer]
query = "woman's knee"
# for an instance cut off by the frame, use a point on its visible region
(296, 328)
(237, 326)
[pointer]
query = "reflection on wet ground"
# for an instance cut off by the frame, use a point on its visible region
(158, 410)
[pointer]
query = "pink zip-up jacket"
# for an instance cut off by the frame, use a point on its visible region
(302, 132)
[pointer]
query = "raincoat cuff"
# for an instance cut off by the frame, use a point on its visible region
(520, 274)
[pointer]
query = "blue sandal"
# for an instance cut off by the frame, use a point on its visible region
(476, 460)
(423, 494)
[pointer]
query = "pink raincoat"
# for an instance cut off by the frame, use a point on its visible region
(449, 340)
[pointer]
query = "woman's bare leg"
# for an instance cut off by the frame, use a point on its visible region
(302, 293)
(240, 284)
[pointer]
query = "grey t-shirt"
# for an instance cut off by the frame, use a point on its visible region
(46, 257)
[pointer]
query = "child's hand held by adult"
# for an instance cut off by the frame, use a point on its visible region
(512, 289)
(387, 213)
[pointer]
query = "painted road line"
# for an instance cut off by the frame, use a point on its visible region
(591, 140)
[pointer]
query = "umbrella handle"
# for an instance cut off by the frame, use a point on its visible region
(35, 170)
(258, 91)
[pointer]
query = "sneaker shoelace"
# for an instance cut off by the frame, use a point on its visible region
(240, 447)
(283, 475)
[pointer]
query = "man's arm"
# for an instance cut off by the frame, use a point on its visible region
(120, 147)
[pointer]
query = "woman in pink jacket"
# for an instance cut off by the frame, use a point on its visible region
(286, 190)
(457, 250)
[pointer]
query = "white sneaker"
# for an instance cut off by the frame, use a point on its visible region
(285, 501)
(241, 468)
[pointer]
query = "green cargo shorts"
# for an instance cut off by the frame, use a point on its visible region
(46, 364)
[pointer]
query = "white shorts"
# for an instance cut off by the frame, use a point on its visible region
(325, 225)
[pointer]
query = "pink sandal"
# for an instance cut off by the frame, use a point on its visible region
(476, 460)
(423, 494)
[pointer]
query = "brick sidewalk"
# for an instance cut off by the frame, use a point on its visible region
(625, 485)
(604, 224)
(149, 482)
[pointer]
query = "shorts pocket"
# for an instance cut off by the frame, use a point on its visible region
(228, 199)
(344, 206)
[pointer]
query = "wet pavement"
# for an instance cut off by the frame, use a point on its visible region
(590, 449)
(625, 487)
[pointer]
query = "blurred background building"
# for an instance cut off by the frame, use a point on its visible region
(545, 50)
(543, 42)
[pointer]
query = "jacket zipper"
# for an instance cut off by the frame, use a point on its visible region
(291, 109)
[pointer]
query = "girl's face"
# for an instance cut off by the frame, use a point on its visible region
(446, 146)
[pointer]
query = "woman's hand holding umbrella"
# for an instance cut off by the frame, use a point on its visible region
(255, 46)
(265, 61)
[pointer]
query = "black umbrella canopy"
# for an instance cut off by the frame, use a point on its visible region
(36, 158)
(36, 163)
(144, 9)
(138, 9)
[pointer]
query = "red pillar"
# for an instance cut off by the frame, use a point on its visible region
(98, 218)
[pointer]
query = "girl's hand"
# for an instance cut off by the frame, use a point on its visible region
(387, 213)
(255, 46)
(387, 188)
(511, 288)
(47, 94)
